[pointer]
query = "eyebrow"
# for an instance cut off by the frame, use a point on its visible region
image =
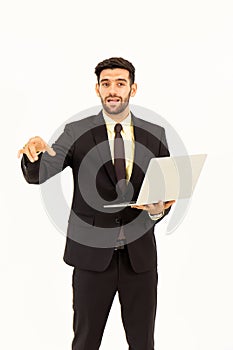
(118, 79)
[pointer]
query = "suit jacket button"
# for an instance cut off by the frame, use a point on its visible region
(117, 220)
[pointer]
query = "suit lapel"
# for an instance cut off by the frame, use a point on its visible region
(140, 140)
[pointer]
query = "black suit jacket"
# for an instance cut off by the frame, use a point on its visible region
(93, 230)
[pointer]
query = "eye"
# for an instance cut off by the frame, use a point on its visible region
(105, 84)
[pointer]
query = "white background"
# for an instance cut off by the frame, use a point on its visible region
(183, 54)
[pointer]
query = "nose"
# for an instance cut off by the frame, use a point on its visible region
(112, 90)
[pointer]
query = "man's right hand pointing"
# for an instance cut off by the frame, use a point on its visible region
(35, 146)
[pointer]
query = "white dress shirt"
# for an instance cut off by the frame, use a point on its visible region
(129, 144)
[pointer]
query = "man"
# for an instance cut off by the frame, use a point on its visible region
(111, 251)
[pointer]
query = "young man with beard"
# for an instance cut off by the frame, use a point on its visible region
(111, 251)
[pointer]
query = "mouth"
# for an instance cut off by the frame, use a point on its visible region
(113, 100)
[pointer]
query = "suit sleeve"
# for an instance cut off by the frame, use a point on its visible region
(48, 166)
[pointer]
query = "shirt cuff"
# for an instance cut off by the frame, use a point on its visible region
(156, 217)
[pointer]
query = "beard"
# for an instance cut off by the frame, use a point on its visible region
(115, 108)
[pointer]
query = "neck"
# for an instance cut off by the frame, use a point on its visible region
(118, 117)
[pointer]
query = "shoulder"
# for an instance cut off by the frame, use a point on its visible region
(82, 126)
(148, 127)
(84, 122)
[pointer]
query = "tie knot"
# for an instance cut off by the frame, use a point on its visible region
(118, 128)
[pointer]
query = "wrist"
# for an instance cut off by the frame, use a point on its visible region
(157, 215)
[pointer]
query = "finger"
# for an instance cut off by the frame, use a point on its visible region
(169, 204)
(142, 207)
(50, 150)
(32, 151)
(21, 151)
(28, 154)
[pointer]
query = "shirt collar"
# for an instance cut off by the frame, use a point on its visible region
(110, 122)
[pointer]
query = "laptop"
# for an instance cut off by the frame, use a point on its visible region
(168, 178)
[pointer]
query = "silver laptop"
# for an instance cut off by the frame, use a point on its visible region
(168, 178)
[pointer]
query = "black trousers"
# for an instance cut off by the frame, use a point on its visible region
(93, 294)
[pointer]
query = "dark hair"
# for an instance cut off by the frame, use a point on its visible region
(116, 62)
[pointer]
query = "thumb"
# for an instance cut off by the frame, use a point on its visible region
(50, 150)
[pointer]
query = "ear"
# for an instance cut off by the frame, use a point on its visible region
(133, 89)
(97, 89)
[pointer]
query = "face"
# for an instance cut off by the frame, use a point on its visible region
(115, 91)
